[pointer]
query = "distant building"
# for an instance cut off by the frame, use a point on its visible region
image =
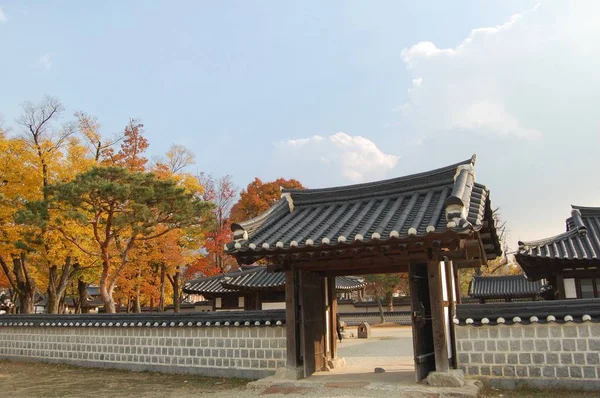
(250, 288)
(506, 288)
(570, 262)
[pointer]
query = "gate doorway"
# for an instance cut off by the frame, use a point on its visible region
(317, 311)
(427, 224)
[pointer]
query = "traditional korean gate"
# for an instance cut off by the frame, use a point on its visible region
(312, 294)
(423, 346)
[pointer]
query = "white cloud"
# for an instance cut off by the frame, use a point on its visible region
(338, 158)
(516, 79)
(3, 17)
(45, 61)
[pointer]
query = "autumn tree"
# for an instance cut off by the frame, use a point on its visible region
(97, 146)
(384, 286)
(259, 196)
(131, 153)
(119, 210)
(221, 192)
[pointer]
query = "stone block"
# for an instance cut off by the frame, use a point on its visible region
(473, 370)
(595, 329)
(589, 372)
(535, 371)
(497, 371)
(504, 332)
(479, 346)
(491, 345)
(493, 333)
(500, 358)
(592, 358)
(467, 346)
(502, 345)
(512, 359)
(555, 331)
(527, 345)
(566, 358)
(582, 345)
(594, 343)
(485, 370)
(576, 372)
(541, 345)
(521, 371)
(538, 358)
(463, 358)
(452, 378)
(555, 345)
(569, 330)
(579, 358)
(515, 345)
(517, 331)
(548, 372)
(541, 331)
(462, 333)
(477, 358)
(483, 332)
(569, 345)
(524, 358)
(562, 371)
(488, 358)
(509, 371)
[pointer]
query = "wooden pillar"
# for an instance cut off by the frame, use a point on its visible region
(437, 312)
(332, 304)
(450, 286)
(455, 273)
(292, 319)
(560, 286)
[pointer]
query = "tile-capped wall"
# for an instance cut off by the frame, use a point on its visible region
(539, 355)
(242, 351)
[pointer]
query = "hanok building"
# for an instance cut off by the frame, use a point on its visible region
(569, 261)
(252, 288)
(428, 224)
(506, 288)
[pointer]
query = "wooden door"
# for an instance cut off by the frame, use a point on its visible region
(423, 347)
(312, 291)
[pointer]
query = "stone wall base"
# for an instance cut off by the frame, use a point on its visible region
(541, 384)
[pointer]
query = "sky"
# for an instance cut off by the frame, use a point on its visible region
(335, 92)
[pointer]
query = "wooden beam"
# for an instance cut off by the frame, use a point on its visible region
(292, 320)
(437, 312)
(367, 271)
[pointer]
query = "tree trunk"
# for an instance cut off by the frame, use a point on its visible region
(137, 306)
(25, 284)
(107, 298)
(27, 302)
(57, 286)
(175, 283)
(390, 300)
(380, 307)
(82, 305)
(161, 303)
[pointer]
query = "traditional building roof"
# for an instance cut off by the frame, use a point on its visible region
(579, 246)
(349, 283)
(257, 278)
(510, 286)
(415, 206)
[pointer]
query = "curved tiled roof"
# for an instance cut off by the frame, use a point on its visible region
(580, 244)
(257, 278)
(441, 200)
(509, 286)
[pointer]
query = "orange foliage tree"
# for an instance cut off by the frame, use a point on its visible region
(259, 196)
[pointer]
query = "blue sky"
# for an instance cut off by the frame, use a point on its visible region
(333, 92)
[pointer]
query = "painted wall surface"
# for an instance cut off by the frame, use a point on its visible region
(280, 305)
(561, 355)
(570, 291)
(242, 351)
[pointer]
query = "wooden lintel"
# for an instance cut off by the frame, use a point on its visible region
(367, 271)
(474, 263)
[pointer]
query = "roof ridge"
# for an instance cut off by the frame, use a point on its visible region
(545, 241)
(380, 183)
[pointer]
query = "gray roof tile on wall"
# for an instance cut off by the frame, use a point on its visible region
(509, 286)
